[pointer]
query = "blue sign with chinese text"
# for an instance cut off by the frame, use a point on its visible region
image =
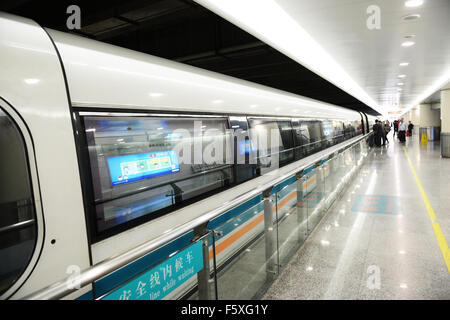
(159, 281)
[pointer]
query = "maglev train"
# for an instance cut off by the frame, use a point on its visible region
(89, 164)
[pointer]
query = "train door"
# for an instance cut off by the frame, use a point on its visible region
(21, 222)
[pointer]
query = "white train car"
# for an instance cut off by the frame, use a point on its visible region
(88, 133)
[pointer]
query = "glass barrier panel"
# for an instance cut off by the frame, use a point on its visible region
(246, 256)
(291, 220)
(312, 195)
(330, 182)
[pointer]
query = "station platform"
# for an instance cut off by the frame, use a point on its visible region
(386, 238)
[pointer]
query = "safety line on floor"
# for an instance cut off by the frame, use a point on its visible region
(437, 229)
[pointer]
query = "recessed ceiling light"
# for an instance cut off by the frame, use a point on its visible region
(413, 3)
(400, 84)
(411, 17)
(401, 76)
(408, 43)
(404, 64)
(217, 101)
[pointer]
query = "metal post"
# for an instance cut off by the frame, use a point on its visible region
(270, 236)
(219, 233)
(201, 234)
(302, 210)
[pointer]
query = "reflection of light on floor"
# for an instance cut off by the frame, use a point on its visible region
(338, 280)
(371, 185)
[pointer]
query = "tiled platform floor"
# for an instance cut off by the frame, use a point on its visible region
(366, 255)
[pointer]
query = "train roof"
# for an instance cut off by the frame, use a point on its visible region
(103, 75)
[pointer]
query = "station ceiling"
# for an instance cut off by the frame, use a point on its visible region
(390, 54)
(184, 31)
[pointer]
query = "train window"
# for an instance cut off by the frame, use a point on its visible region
(274, 140)
(328, 133)
(301, 138)
(352, 129)
(142, 167)
(338, 131)
(309, 137)
(348, 130)
(358, 125)
(17, 212)
(287, 139)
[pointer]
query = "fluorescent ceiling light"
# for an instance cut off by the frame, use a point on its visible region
(31, 81)
(401, 76)
(404, 64)
(156, 94)
(276, 27)
(408, 43)
(411, 16)
(400, 84)
(413, 3)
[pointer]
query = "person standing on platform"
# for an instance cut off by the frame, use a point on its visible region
(395, 127)
(377, 133)
(387, 128)
(410, 128)
(383, 132)
(402, 127)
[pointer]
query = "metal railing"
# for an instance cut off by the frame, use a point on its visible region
(198, 225)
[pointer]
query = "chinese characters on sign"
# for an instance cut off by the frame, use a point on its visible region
(158, 282)
(376, 204)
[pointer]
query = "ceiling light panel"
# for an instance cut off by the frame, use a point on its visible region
(287, 36)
